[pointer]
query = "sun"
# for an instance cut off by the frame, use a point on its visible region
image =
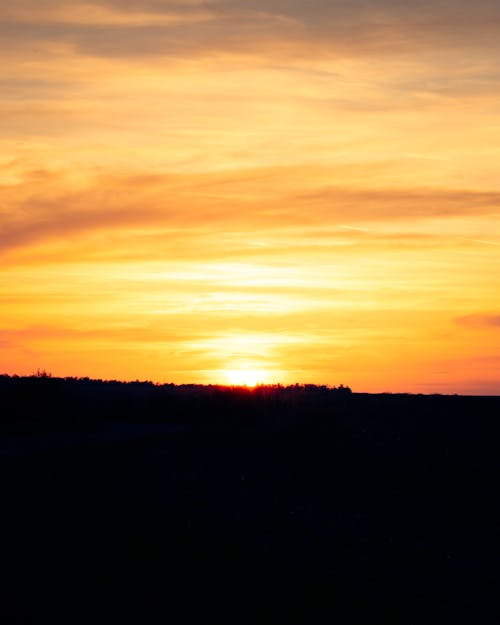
(245, 377)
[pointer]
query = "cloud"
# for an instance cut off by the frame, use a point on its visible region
(99, 14)
(380, 204)
(480, 321)
(214, 212)
(127, 29)
(129, 332)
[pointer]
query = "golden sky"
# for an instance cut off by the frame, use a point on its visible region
(282, 191)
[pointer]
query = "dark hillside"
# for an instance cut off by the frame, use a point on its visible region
(135, 503)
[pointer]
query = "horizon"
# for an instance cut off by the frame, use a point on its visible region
(46, 375)
(220, 192)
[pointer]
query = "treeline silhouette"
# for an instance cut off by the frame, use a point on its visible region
(41, 401)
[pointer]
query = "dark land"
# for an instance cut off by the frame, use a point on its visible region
(139, 503)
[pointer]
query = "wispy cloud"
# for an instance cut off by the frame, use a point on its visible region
(287, 28)
(480, 321)
(45, 205)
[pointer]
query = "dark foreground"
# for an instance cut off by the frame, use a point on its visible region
(283, 506)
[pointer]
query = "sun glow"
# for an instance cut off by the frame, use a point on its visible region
(246, 377)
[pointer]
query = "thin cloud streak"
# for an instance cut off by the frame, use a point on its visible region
(44, 207)
(480, 321)
(105, 28)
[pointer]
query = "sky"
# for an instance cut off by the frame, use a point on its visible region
(231, 192)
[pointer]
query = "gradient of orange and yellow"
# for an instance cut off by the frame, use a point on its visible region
(215, 191)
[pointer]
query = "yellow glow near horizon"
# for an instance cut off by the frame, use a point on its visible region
(246, 377)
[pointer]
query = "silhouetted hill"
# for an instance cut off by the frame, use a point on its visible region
(136, 503)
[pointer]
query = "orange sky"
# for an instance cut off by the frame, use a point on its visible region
(195, 191)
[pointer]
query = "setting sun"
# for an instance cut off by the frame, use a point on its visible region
(246, 377)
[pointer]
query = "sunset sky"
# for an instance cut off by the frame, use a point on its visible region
(298, 191)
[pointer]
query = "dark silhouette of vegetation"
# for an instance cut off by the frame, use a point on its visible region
(137, 503)
(41, 402)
